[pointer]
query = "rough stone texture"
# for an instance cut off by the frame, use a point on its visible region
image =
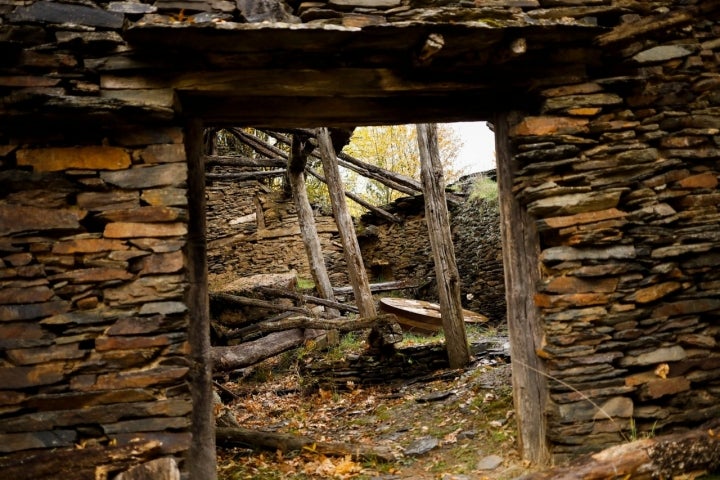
(69, 293)
(239, 244)
(616, 140)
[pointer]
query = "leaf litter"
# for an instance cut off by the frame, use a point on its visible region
(465, 418)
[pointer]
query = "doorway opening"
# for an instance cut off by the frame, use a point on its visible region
(245, 211)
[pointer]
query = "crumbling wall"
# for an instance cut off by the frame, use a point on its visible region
(401, 251)
(253, 229)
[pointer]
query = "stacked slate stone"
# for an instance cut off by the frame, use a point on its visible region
(402, 252)
(231, 220)
(92, 310)
(254, 230)
(624, 189)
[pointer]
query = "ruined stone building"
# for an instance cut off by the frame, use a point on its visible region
(607, 116)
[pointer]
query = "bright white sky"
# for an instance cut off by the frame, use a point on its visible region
(478, 152)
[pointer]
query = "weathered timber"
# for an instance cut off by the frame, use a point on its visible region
(279, 292)
(278, 172)
(441, 242)
(254, 302)
(627, 31)
(377, 210)
(378, 287)
(353, 256)
(238, 161)
(249, 353)
(77, 463)
(520, 260)
(396, 181)
(296, 175)
(202, 450)
(341, 324)
(679, 455)
(275, 441)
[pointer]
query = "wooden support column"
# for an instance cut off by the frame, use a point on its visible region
(520, 246)
(202, 461)
(296, 176)
(438, 223)
(353, 258)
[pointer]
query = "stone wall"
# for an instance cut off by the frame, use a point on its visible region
(239, 245)
(253, 229)
(621, 174)
(401, 251)
(615, 145)
(92, 295)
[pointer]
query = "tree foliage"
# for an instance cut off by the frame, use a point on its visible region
(395, 148)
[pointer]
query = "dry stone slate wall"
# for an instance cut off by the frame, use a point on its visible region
(93, 317)
(253, 229)
(401, 251)
(621, 174)
(239, 244)
(615, 143)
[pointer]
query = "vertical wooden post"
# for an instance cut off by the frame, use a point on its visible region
(353, 257)
(202, 462)
(296, 175)
(520, 246)
(438, 223)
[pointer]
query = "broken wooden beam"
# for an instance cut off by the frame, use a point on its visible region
(379, 287)
(257, 175)
(679, 455)
(284, 442)
(377, 210)
(279, 292)
(239, 161)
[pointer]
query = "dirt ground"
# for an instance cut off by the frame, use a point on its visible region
(449, 425)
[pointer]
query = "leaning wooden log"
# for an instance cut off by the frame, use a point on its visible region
(377, 210)
(239, 161)
(274, 441)
(240, 356)
(669, 456)
(254, 302)
(340, 324)
(75, 463)
(279, 292)
(438, 224)
(379, 287)
(308, 231)
(257, 175)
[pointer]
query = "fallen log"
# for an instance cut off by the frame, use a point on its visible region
(229, 437)
(667, 456)
(339, 324)
(279, 292)
(249, 353)
(378, 287)
(289, 333)
(254, 302)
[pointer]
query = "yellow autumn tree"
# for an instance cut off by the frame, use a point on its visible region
(395, 148)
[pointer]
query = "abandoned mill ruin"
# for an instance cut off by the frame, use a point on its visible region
(607, 122)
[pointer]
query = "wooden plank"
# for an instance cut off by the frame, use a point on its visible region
(202, 456)
(377, 210)
(353, 256)
(296, 175)
(520, 260)
(438, 223)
